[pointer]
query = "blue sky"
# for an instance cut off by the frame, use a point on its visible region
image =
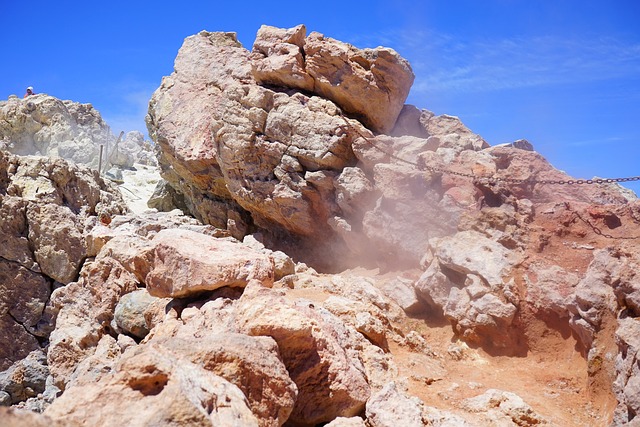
(564, 75)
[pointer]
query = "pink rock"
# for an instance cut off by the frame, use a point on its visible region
(369, 83)
(315, 348)
(187, 263)
(150, 387)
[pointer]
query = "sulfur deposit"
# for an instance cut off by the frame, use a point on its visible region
(43, 125)
(347, 260)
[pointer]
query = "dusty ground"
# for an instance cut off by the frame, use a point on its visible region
(442, 371)
(552, 375)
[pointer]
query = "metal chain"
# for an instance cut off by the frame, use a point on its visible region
(633, 215)
(597, 230)
(494, 178)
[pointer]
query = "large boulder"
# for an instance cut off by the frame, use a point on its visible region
(235, 153)
(151, 387)
(371, 84)
(187, 263)
(316, 349)
(85, 310)
(469, 280)
(251, 363)
(23, 295)
(392, 406)
(59, 246)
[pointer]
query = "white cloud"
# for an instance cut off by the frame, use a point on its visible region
(129, 107)
(599, 141)
(444, 63)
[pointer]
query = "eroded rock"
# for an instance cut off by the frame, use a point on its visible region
(320, 360)
(187, 263)
(150, 387)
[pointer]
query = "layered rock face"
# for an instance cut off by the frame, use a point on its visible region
(289, 140)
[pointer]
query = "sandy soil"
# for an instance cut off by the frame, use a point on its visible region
(551, 377)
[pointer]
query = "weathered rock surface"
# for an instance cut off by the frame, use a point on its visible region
(150, 387)
(132, 149)
(46, 126)
(84, 314)
(470, 264)
(311, 180)
(316, 349)
(45, 207)
(137, 312)
(285, 180)
(59, 247)
(186, 262)
(468, 281)
(627, 382)
(372, 84)
(23, 295)
(25, 378)
(390, 407)
(251, 363)
(86, 310)
(504, 407)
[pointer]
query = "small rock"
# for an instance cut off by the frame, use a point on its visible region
(129, 314)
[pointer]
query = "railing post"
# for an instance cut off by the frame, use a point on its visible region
(100, 160)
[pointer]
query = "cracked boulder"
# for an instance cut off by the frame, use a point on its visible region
(371, 84)
(247, 155)
(152, 387)
(469, 281)
(317, 349)
(23, 295)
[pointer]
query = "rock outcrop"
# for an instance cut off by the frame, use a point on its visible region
(372, 84)
(47, 126)
(497, 298)
(46, 208)
(284, 140)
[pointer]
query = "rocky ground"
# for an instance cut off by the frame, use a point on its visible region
(138, 186)
(330, 264)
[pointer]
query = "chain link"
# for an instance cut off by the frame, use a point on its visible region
(634, 215)
(494, 179)
(597, 230)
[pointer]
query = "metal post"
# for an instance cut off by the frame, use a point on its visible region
(100, 161)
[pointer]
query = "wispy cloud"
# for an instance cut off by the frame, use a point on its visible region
(443, 62)
(127, 112)
(600, 141)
